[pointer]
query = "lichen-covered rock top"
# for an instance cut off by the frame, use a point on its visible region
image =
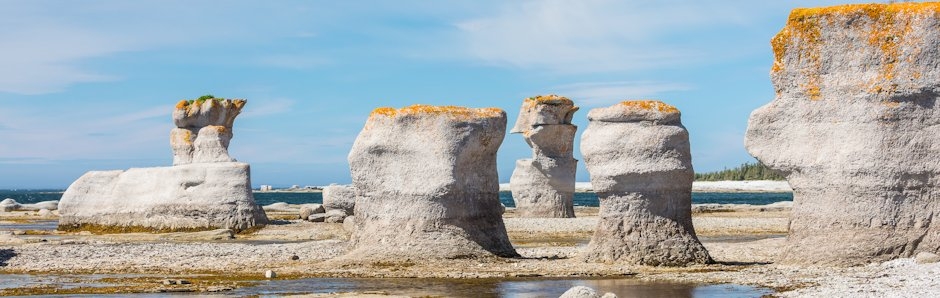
(429, 110)
(637, 110)
(853, 50)
(202, 113)
(544, 110)
(854, 126)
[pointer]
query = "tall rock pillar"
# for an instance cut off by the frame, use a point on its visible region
(637, 153)
(427, 184)
(543, 186)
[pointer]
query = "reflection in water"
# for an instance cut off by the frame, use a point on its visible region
(38, 225)
(626, 287)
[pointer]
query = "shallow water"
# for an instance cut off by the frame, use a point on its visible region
(623, 287)
(586, 199)
(39, 225)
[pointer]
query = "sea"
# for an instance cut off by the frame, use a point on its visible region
(587, 199)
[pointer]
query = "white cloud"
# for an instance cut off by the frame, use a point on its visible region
(592, 35)
(596, 94)
(49, 46)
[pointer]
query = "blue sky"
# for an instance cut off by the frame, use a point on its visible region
(90, 85)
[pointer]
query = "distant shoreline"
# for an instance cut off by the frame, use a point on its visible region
(769, 186)
(756, 186)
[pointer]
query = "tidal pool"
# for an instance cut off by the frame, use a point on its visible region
(623, 287)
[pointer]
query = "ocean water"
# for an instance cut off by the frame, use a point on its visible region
(580, 199)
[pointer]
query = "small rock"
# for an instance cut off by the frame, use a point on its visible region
(349, 224)
(218, 289)
(19, 232)
(175, 290)
(309, 209)
(317, 217)
(580, 292)
(335, 216)
(270, 274)
(44, 212)
(294, 258)
(170, 282)
(926, 258)
(609, 295)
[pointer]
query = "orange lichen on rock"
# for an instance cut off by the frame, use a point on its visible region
(182, 104)
(452, 111)
(885, 27)
(650, 105)
(550, 99)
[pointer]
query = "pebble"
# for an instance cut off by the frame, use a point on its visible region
(294, 258)
(270, 274)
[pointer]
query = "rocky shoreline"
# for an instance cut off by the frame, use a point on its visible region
(744, 240)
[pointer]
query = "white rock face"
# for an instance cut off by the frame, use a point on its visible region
(204, 190)
(637, 153)
(428, 186)
(543, 186)
(855, 128)
(8, 205)
(339, 197)
(186, 197)
(203, 130)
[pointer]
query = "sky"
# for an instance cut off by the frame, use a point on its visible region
(91, 85)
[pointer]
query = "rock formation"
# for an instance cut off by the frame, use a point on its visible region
(543, 186)
(339, 197)
(203, 130)
(854, 127)
(428, 186)
(204, 190)
(637, 153)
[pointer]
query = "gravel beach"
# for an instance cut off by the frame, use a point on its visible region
(743, 239)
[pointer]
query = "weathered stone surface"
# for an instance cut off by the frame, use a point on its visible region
(585, 292)
(339, 197)
(203, 130)
(543, 186)
(179, 198)
(204, 190)
(8, 205)
(428, 186)
(638, 155)
(309, 209)
(854, 127)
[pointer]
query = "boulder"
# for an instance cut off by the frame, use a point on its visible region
(428, 186)
(637, 153)
(339, 197)
(204, 190)
(8, 205)
(543, 186)
(309, 209)
(854, 127)
(335, 216)
(179, 198)
(203, 130)
(585, 292)
(317, 217)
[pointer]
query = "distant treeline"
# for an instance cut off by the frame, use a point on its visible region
(746, 171)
